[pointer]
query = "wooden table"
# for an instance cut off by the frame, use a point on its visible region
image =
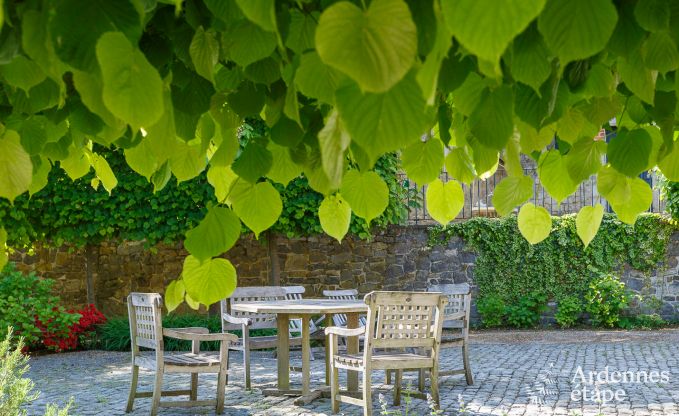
(304, 309)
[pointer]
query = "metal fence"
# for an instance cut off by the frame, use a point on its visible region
(479, 194)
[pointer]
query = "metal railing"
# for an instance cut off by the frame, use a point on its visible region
(478, 197)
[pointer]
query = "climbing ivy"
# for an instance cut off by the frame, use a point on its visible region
(509, 267)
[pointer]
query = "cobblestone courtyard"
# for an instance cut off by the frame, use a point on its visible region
(516, 373)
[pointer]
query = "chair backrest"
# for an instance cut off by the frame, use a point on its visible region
(457, 310)
(146, 325)
(340, 319)
(403, 319)
(251, 294)
(294, 292)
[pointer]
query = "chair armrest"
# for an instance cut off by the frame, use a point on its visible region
(237, 321)
(345, 332)
(181, 333)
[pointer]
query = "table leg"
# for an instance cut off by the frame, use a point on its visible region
(283, 352)
(328, 324)
(352, 348)
(306, 353)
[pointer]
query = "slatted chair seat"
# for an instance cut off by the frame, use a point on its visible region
(263, 342)
(382, 361)
(180, 360)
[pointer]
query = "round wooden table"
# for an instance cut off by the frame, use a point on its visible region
(305, 309)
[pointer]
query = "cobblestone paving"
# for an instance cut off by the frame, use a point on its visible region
(511, 378)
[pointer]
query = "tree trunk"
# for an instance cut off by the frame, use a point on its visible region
(91, 259)
(275, 273)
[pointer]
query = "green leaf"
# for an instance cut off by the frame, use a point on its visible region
(33, 134)
(40, 175)
(530, 59)
(77, 164)
(262, 194)
(375, 47)
(366, 192)
(22, 73)
(428, 75)
(629, 151)
(588, 221)
(76, 26)
(613, 185)
(315, 79)
(90, 88)
(460, 166)
(248, 43)
(16, 170)
(133, 90)
(510, 192)
(486, 27)
(492, 121)
(210, 281)
(423, 161)
(174, 294)
(188, 160)
(3, 248)
(221, 178)
(247, 100)
(600, 81)
(653, 15)
(444, 201)
(577, 29)
(660, 52)
(286, 132)
(283, 168)
(533, 140)
(468, 96)
(204, 51)
(553, 174)
(535, 223)
(335, 216)
(262, 12)
(381, 123)
(669, 165)
(302, 31)
(254, 162)
(104, 172)
(574, 125)
(635, 75)
(217, 233)
(334, 142)
(142, 159)
(628, 196)
(584, 158)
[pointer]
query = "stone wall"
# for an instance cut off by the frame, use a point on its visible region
(396, 259)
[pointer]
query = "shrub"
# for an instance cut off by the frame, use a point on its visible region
(492, 310)
(526, 312)
(27, 305)
(15, 389)
(643, 321)
(606, 298)
(569, 311)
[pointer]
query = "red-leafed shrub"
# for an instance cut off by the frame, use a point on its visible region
(79, 334)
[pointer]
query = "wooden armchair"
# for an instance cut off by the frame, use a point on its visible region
(395, 320)
(146, 330)
(340, 319)
(244, 321)
(295, 293)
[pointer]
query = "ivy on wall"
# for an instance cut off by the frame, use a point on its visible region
(509, 267)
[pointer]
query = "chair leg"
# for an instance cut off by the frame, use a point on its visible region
(221, 387)
(434, 380)
(422, 376)
(387, 377)
(397, 387)
(367, 395)
(194, 386)
(467, 367)
(157, 391)
(246, 366)
(226, 376)
(334, 387)
(133, 388)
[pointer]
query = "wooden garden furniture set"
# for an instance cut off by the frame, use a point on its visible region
(403, 331)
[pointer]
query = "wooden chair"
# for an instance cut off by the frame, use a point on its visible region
(456, 324)
(395, 320)
(340, 319)
(294, 293)
(244, 321)
(146, 330)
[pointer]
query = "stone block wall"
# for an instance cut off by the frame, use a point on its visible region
(396, 259)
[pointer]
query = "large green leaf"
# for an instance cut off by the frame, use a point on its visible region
(283, 168)
(630, 150)
(302, 31)
(334, 142)
(142, 159)
(204, 51)
(588, 221)
(669, 165)
(217, 233)
(510, 192)
(248, 196)
(248, 43)
(104, 172)
(584, 158)
(16, 170)
(262, 12)
(77, 164)
(628, 196)
(639, 79)
(486, 27)
(613, 185)
(22, 73)
(428, 75)
(423, 161)
(366, 193)
(468, 95)
(133, 90)
(530, 59)
(335, 216)
(286, 132)
(174, 294)
(553, 173)
(315, 79)
(533, 140)
(444, 201)
(660, 52)
(210, 281)
(459, 165)
(492, 121)
(653, 15)
(188, 160)
(254, 162)
(535, 223)
(76, 26)
(375, 47)
(381, 123)
(577, 29)
(221, 178)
